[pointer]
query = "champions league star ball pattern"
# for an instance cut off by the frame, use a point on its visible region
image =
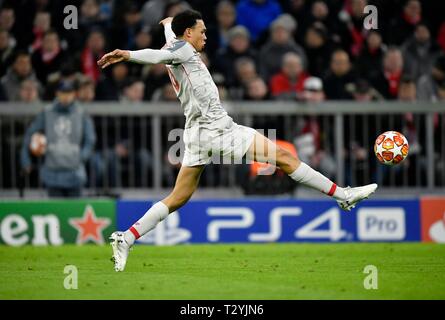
(391, 148)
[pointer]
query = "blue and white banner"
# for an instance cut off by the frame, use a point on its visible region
(254, 220)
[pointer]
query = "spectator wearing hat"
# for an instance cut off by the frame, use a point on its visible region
(289, 82)
(280, 42)
(239, 47)
(428, 85)
(70, 136)
(312, 91)
(309, 137)
(257, 15)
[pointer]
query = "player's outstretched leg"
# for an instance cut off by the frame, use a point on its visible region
(264, 150)
(121, 242)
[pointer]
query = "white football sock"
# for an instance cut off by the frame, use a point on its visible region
(158, 212)
(314, 179)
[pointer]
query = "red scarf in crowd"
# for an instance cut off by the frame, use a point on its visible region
(89, 65)
(393, 79)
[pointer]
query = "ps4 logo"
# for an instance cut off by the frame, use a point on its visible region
(244, 217)
(167, 232)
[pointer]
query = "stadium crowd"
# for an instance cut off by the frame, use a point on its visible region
(257, 50)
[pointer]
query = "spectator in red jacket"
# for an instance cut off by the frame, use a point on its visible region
(286, 84)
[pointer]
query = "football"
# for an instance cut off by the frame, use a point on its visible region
(391, 148)
(37, 145)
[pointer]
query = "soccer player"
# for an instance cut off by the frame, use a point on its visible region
(208, 129)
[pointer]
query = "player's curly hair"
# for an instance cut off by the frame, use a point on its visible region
(184, 20)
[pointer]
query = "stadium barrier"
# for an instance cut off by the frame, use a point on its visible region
(346, 135)
(225, 221)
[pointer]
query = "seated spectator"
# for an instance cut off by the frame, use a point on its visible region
(370, 60)
(403, 26)
(239, 46)
(428, 85)
(318, 49)
(111, 86)
(256, 89)
(42, 24)
(245, 71)
(93, 51)
(86, 90)
(387, 80)
(91, 16)
(351, 30)
(339, 77)
(7, 47)
(257, 15)
(289, 82)
(218, 35)
(29, 91)
(48, 59)
(280, 42)
(7, 19)
(133, 91)
(20, 70)
(420, 51)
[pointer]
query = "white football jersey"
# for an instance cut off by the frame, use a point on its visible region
(190, 78)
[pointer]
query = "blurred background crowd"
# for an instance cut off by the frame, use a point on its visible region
(256, 50)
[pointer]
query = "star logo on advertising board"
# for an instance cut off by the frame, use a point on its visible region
(89, 227)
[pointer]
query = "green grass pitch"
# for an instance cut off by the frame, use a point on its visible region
(251, 271)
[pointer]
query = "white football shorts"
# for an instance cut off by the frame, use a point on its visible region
(222, 142)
